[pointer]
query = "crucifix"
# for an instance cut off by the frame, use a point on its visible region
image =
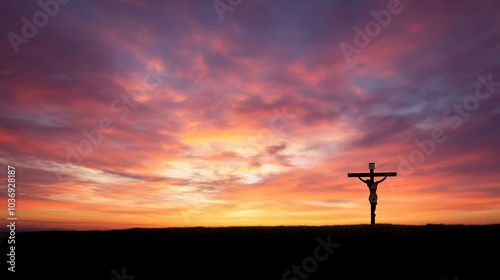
(372, 185)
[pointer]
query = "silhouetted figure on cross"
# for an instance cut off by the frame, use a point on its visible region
(372, 186)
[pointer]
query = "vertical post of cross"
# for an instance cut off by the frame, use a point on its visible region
(371, 166)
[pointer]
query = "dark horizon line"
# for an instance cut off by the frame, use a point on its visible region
(19, 230)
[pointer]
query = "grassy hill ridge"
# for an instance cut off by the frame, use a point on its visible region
(381, 251)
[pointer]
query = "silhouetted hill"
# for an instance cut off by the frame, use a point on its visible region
(326, 252)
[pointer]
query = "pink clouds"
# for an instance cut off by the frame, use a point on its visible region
(256, 119)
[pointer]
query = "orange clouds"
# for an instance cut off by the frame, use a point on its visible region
(171, 117)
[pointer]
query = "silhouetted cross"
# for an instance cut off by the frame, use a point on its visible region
(372, 185)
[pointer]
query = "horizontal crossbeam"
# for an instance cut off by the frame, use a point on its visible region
(375, 174)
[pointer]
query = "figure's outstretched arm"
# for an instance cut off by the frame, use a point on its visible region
(382, 180)
(364, 181)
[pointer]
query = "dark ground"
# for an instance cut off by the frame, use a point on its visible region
(365, 252)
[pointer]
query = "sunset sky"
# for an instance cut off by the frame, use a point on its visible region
(120, 114)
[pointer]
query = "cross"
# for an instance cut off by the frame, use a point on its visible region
(372, 185)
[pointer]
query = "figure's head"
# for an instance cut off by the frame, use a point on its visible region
(369, 181)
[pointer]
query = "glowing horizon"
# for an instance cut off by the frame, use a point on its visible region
(172, 114)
